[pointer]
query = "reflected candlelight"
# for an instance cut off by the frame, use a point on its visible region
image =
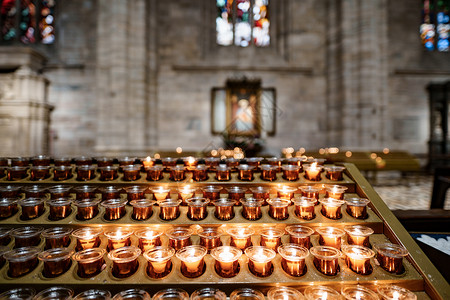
(224, 209)
(278, 208)
(118, 237)
(310, 191)
(27, 236)
(312, 172)
(271, 238)
(260, 260)
(331, 208)
(131, 172)
(85, 172)
(135, 192)
(169, 209)
(148, 162)
(125, 261)
(142, 209)
(56, 261)
(261, 192)
(291, 172)
(192, 260)
(110, 192)
(326, 259)
(61, 173)
(148, 238)
(39, 173)
(179, 237)
(251, 208)
(304, 207)
(300, 235)
(390, 257)
(330, 236)
(358, 258)
(56, 237)
(90, 262)
(357, 207)
(32, 208)
(8, 207)
(246, 294)
(85, 192)
(284, 293)
(293, 259)
(236, 193)
(241, 237)
(316, 292)
(286, 192)
(159, 263)
(358, 235)
(227, 260)
(87, 238)
(359, 292)
(335, 191)
(197, 208)
(210, 237)
(161, 193)
(394, 292)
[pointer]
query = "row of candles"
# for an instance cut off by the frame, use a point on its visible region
(357, 250)
(314, 292)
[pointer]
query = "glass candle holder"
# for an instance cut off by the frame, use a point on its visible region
(56, 237)
(40, 160)
(142, 209)
(261, 192)
(251, 208)
(390, 257)
(314, 292)
(192, 260)
(135, 192)
(16, 173)
(246, 294)
(93, 294)
(118, 237)
(83, 161)
(260, 260)
(87, 238)
(169, 162)
(278, 208)
(293, 259)
(295, 161)
(131, 172)
(226, 260)
(32, 208)
(62, 161)
(300, 235)
(35, 191)
(284, 293)
(90, 262)
(335, 191)
(232, 163)
(110, 192)
(18, 294)
(245, 172)
(358, 292)
(241, 237)
(39, 173)
(169, 209)
(331, 208)
(185, 192)
(268, 172)
(291, 172)
(104, 161)
(223, 173)
(56, 292)
(335, 173)
(20, 162)
(358, 258)
(10, 191)
(86, 172)
(59, 208)
(173, 293)
(8, 207)
(161, 193)
(159, 261)
(224, 210)
(108, 173)
(304, 207)
(208, 293)
(212, 163)
(271, 238)
(319, 161)
(177, 173)
(357, 207)
(154, 173)
(5, 239)
(310, 191)
(210, 237)
(22, 261)
(254, 162)
(135, 294)
(358, 235)
(124, 261)
(330, 236)
(236, 193)
(200, 173)
(286, 192)
(276, 162)
(61, 173)
(56, 261)
(211, 192)
(179, 237)
(85, 192)
(326, 259)
(147, 162)
(126, 161)
(190, 162)
(60, 191)
(395, 292)
(148, 238)
(87, 208)
(114, 209)
(312, 172)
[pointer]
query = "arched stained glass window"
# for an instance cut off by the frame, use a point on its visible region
(242, 23)
(27, 21)
(435, 27)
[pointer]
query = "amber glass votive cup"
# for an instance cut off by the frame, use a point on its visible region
(56, 237)
(358, 258)
(85, 172)
(278, 208)
(39, 173)
(142, 209)
(192, 260)
(61, 173)
(223, 173)
(390, 257)
(8, 207)
(197, 208)
(154, 173)
(210, 237)
(268, 172)
(56, 261)
(330, 236)
(331, 208)
(16, 173)
(312, 172)
(200, 173)
(87, 238)
(118, 237)
(304, 208)
(251, 208)
(224, 210)
(241, 237)
(59, 208)
(300, 235)
(293, 259)
(87, 208)
(358, 235)
(261, 192)
(326, 259)
(212, 192)
(290, 172)
(226, 261)
(59, 191)
(10, 191)
(159, 261)
(169, 209)
(335, 173)
(90, 262)
(161, 193)
(22, 261)
(179, 237)
(32, 208)
(357, 207)
(245, 172)
(108, 173)
(85, 192)
(177, 173)
(131, 172)
(286, 192)
(321, 292)
(110, 192)
(260, 260)
(271, 238)
(394, 292)
(114, 209)
(335, 191)
(148, 238)
(124, 261)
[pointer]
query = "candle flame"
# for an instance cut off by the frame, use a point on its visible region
(314, 165)
(148, 159)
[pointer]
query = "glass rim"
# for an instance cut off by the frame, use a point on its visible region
(32, 201)
(240, 232)
(304, 201)
(133, 294)
(311, 292)
(292, 293)
(212, 188)
(55, 254)
(210, 232)
(271, 232)
(21, 254)
(26, 232)
(332, 202)
(178, 233)
(207, 293)
(279, 202)
(59, 202)
(87, 202)
(190, 251)
(56, 232)
(362, 292)
(252, 202)
(358, 230)
(357, 201)
(299, 230)
(236, 253)
(165, 253)
(290, 167)
(251, 251)
(114, 203)
(180, 294)
(89, 255)
(117, 255)
(87, 232)
(169, 203)
(142, 203)
(391, 250)
(118, 233)
(18, 293)
(325, 252)
(386, 290)
(330, 231)
(357, 252)
(93, 294)
(246, 292)
(142, 233)
(224, 202)
(54, 292)
(197, 201)
(287, 252)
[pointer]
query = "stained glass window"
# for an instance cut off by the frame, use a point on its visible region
(242, 23)
(27, 21)
(435, 27)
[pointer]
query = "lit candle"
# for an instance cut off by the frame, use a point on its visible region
(185, 192)
(159, 263)
(192, 260)
(125, 261)
(179, 237)
(190, 162)
(286, 192)
(390, 257)
(278, 208)
(357, 207)
(148, 162)
(359, 292)
(358, 258)
(395, 292)
(251, 208)
(358, 235)
(331, 208)
(300, 235)
(312, 172)
(293, 259)
(241, 237)
(87, 238)
(335, 191)
(304, 207)
(284, 293)
(322, 293)
(161, 193)
(260, 260)
(330, 236)
(326, 260)
(227, 260)
(118, 237)
(148, 238)
(271, 238)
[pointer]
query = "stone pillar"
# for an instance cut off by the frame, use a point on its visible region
(122, 92)
(357, 73)
(24, 108)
